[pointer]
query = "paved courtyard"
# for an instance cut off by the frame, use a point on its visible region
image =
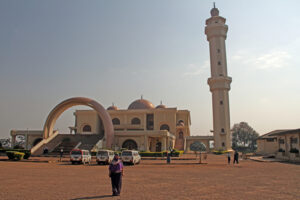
(152, 179)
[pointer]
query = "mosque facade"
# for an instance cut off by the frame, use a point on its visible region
(142, 126)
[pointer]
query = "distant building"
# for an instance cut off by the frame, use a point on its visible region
(284, 144)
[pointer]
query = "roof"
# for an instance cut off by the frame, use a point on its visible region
(288, 131)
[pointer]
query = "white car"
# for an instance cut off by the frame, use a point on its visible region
(104, 157)
(131, 157)
(80, 156)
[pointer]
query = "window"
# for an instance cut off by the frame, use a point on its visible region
(135, 121)
(219, 50)
(116, 121)
(87, 128)
(221, 102)
(281, 141)
(294, 140)
(223, 144)
(180, 123)
(165, 127)
(222, 130)
(270, 139)
(219, 63)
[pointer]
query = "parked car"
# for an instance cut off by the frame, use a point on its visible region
(80, 156)
(104, 156)
(131, 157)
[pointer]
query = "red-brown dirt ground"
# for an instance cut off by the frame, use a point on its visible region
(152, 179)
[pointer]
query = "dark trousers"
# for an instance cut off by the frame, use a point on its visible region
(228, 160)
(116, 183)
(236, 160)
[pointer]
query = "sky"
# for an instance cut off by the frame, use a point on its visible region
(116, 51)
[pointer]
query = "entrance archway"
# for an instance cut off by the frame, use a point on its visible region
(76, 101)
(130, 145)
(158, 147)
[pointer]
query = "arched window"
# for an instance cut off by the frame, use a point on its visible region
(135, 121)
(180, 135)
(165, 127)
(180, 123)
(87, 128)
(130, 145)
(116, 121)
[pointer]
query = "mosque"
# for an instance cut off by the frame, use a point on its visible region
(143, 126)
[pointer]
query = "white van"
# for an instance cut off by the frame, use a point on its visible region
(104, 156)
(80, 156)
(131, 157)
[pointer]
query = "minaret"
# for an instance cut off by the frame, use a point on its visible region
(219, 82)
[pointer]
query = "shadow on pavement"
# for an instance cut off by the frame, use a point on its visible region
(95, 197)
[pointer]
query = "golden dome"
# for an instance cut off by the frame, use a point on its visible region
(140, 104)
(112, 107)
(161, 106)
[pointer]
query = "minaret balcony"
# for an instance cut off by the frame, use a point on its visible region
(219, 83)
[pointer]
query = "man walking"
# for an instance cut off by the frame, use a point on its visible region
(228, 157)
(236, 158)
(115, 174)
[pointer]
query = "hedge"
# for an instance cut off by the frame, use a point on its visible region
(160, 154)
(14, 155)
(220, 152)
(27, 153)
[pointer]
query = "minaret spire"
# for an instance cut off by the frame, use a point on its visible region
(219, 82)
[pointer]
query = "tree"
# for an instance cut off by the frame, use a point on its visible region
(198, 147)
(244, 137)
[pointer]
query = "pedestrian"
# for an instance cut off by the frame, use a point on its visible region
(236, 158)
(115, 173)
(61, 153)
(228, 157)
(45, 150)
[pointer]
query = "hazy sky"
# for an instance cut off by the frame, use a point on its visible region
(114, 51)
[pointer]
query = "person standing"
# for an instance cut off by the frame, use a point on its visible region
(115, 173)
(228, 157)
(236, 158)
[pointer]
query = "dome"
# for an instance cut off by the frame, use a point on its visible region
(161, 106)
(140, 104)
(112, 107)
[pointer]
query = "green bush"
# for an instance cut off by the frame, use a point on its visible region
(10, 155)
(14, 155)
(294, 150)
(160, 154)
(27, 153)
(19, 155)
(220, 152)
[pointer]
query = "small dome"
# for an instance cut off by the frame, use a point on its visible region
(214, 11)
(112, 107)
(140, 104)
(161, 106)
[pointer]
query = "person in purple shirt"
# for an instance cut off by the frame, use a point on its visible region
(115, 174)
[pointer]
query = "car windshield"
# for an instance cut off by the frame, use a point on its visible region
(102, 153)
(76, 152)
(126, 153)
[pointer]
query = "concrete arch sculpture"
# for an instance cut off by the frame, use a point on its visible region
(75, 101)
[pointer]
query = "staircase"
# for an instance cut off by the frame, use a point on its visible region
(67, 142)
